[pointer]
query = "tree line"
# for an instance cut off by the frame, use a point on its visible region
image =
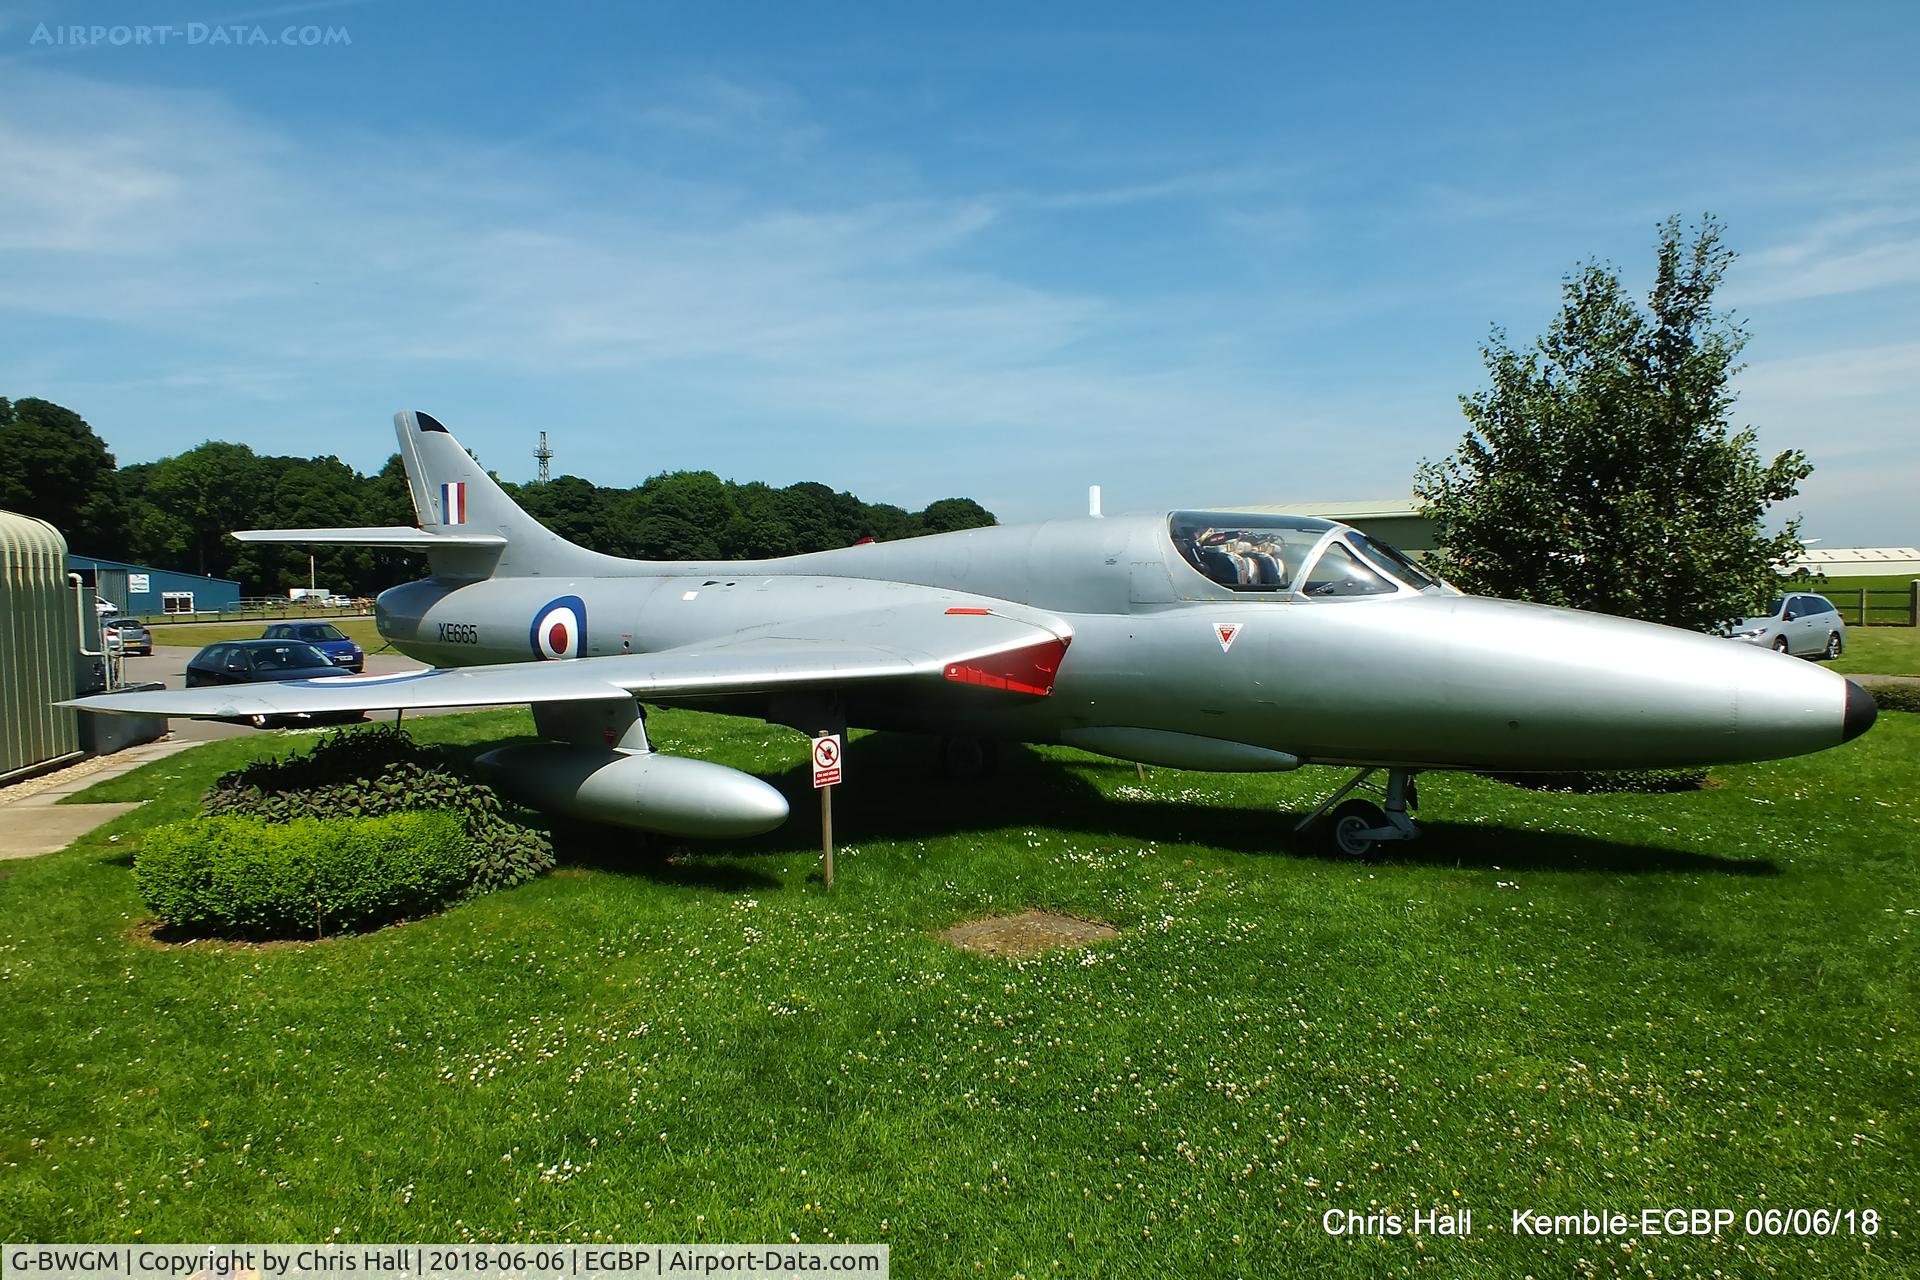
(176, 513)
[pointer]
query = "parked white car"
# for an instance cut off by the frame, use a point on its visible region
(1804, 625)
(104, 606)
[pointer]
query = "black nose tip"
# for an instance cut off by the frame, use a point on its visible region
(1861, 712)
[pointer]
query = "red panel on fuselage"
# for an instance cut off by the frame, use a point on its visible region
(1026, 670)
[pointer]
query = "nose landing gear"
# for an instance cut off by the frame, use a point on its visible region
(1357, 825)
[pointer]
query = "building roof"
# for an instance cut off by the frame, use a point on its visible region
(101, 562)
(1857, 555)
(1858, 562)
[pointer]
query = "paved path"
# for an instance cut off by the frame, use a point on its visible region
(32, 819)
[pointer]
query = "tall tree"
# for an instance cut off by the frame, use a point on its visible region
(211, 489)
(576, 509)
(54, 467)
(1601, 469)
(304, 493)
(386, 499)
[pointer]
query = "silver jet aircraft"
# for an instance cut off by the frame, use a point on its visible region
(1197, 640)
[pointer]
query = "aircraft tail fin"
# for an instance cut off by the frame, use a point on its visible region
(468, 526)
(474, 529)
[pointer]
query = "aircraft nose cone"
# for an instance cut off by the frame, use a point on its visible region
(1861, 712)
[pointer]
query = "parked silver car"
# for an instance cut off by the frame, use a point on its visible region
(1804, 625)
(132, 634)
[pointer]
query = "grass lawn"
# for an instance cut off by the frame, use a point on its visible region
(1887, 651)
(196, 634)
(1552, 1002)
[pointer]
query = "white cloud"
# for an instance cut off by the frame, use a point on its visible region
(244, 277)
(171, 215)
(1892, 369)
(1849, 253)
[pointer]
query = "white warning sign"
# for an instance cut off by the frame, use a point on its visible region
(1227, 632)
(826, 760)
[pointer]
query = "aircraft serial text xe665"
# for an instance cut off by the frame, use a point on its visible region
(1196, 640)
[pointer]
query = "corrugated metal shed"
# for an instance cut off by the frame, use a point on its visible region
(39, 634)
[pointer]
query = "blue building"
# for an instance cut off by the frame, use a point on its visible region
(139, 588)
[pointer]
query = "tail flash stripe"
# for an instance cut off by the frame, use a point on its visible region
(453, 502)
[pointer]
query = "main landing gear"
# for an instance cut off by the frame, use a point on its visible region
(968, 759)
(1357, 825)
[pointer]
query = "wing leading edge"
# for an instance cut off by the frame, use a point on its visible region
(990, 651)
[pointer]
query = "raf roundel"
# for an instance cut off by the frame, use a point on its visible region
(560, 629)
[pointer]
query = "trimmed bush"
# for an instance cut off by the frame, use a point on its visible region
(369, 773)
(248, 877)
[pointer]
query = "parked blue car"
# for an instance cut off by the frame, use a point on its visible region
(325, 637)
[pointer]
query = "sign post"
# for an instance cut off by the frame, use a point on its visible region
(826, 773)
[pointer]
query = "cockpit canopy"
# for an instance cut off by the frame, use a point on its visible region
(1315, 558)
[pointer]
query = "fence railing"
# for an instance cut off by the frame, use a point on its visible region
(1876, 606)
(265, 608)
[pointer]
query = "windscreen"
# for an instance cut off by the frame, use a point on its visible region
(316, 631)
(1392, 561)
(288, 657)
(1338, 572)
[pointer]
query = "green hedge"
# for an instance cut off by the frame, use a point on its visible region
(1896, 697)
(250, 877)
(365, 773)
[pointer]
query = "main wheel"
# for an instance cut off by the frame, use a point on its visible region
(965, 759)
(1834, 645)
(259, 721)
(1780, 644)
(1350, 822)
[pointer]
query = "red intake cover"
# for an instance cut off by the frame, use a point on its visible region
(1026, 670)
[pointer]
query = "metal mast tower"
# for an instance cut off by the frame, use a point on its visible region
(544, 456)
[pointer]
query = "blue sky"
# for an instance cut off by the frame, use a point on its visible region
(1200, 255)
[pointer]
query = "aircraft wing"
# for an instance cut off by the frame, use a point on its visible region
(397, 535)
(974, 648)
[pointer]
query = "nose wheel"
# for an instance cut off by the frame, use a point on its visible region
(1356, 825)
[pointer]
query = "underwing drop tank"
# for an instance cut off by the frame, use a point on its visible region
(641, 789)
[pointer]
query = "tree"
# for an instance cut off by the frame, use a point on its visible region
(304, 493)
(949, 514)
(211, 489)
(678, 515)
(576, 509)
(54, 467)
(1600, 470)
(386, 499)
